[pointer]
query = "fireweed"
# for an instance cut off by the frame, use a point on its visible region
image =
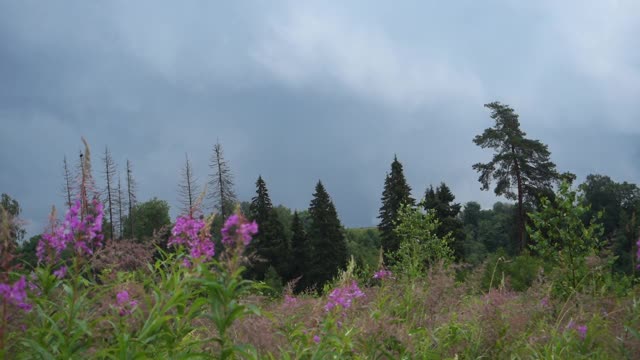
(195, 235)
(81, 233)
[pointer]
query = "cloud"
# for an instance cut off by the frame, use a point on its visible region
(305, 46)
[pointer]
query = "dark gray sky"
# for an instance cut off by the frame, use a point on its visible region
(300, 92)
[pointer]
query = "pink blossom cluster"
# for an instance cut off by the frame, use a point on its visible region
(189, 231)
(16, 294)
(237, 227)
(83, 234)
(343, 296)
(580, 329)
(124, 305)
(638, 253)
(382, 274)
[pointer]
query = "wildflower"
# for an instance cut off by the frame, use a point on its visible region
(191, 232)
(382, 274)
(16, 294)
(124, 305)
(544, 302)
(582, 331)
(290, 300)
(316, 339)
(343, 296)
(236, 226)
(83, 234)
(61, 272)
(638, 253)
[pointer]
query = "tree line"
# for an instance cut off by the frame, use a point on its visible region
(310, 246)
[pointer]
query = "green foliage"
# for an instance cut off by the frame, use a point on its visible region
(270, 245)
(396, 193)
(364, 246)
(518, 273)
(518, 163)
(13, 209)
(328, 245)
(440, 201)
(27, 251)
(300, 254)
(560, 235)
(149, 216)
(420, 246)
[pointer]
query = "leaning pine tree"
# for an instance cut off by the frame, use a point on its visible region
(521, 167)
(396, 193)
(327, 241)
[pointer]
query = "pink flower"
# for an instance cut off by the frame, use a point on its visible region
(235, 228)
(316, 339)
(16, 294)
(290, 300)
(84, 235)
(61, 272)
(343, 296)
(123, 304)
(582, 331)
(382, 274)
(191, 232)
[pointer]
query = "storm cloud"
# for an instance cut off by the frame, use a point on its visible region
(298, 92)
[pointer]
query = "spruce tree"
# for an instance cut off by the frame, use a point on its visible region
(300, 253)
(396, 193)
(270, 244)
(440, 201)
(328, 244)
(521, 167)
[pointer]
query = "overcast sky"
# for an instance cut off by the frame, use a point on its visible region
(304, 91)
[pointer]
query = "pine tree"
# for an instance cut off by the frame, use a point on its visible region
(270, 244)
(109, 172)
(131, 196)
(518, 163)
(68, 185)
(188, 189)
(440, 201)
(328, 244)
(300, 253)
(221, 183)
(396, 193)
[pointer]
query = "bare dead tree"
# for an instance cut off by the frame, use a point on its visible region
(188, 189)
(221, 182)
(131, 194)
(109, 173)
(69, 183)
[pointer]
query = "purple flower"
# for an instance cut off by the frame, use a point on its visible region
(191, 232)
(236, 227)
(316, 339)
(290, 300)
(382, 274)
(638, 253)
(582, 331)
(61, 272)
(123, 304)
(544, 302)
(343, 296)
(16, 294)
(82, 234)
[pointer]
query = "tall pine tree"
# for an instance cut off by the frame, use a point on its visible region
(396, 193)
(270, 244)
(328, 245)
(440, 201)
(521, 167)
